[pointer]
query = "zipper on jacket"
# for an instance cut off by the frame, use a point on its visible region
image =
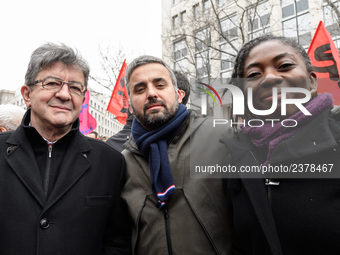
(269, 183)
(48, 169)
(167, 229)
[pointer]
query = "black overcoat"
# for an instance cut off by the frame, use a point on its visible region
(83, 213)
(291, 215)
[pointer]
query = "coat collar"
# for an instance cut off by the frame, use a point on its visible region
(315, 137)
(21, 158)
(320, 134)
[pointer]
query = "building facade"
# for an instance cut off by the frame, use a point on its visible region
(107, 125)
(202, 37)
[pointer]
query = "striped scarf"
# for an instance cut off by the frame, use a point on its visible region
(154, 146)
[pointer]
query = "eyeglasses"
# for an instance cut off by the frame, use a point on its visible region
(55, 84)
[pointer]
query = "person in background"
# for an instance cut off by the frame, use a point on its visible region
(184, 85)
(93, 134)
(117, 140)
(284, 212)
(103, 138)
(171, 212)
(10, 117)
(60, 190)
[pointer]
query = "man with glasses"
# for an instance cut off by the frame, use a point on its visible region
(60, 190)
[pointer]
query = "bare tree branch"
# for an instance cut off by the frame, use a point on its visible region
(111, 62)
(335, 8)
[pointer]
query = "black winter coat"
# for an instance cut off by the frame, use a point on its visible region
(83, 213)
(288, 216)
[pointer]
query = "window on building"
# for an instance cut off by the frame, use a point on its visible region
(183, 18)
(180, 49)
(202, 60)
(296, 20)
(228, 55)
(180, 56)
(258, 16)
(227, 52)
(331, 22)
(202, 39)
(229, 28)
(196, 11)
(206, 6)
(175, 22)
(202, 52)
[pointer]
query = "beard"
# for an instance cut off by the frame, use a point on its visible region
(155, 118)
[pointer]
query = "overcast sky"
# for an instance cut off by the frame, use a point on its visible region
(133, 25)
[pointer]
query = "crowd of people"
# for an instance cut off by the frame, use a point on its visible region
(66, 193)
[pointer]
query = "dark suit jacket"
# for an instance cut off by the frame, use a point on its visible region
(83, 213)
(117, 140)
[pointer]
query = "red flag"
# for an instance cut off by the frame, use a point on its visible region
(119, 102)
(87, 122)
(326, 61)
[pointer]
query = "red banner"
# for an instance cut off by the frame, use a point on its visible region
(119, 102)
(87, 122)
(326, 61)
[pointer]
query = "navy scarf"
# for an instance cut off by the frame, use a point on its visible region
(154, 146)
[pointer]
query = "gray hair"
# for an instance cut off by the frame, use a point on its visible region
(143, 60)
(10, 116)
(48, 54)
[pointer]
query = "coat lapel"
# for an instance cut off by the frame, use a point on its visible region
(256, 190)
(19, 154)
(258, 196)
(73, 167)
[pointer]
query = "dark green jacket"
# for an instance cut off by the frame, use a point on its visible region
(197, 211)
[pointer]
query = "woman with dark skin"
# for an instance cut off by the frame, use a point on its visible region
(286, 214)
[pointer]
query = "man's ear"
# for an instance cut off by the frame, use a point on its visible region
(181, 95)
(3, 129)
(26, 95)
(313, 80)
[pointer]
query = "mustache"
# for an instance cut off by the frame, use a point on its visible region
(154, 101)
